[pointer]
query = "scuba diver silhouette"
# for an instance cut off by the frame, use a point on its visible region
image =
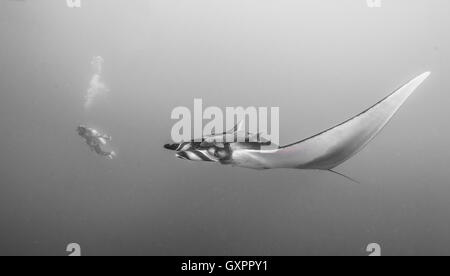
(95, 140)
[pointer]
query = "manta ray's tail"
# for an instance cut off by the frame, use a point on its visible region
(334, 146)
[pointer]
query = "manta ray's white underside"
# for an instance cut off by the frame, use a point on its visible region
(334, 146)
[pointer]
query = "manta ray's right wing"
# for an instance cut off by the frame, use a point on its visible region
(334, 146)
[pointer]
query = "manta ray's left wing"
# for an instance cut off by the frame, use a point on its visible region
(334, 146)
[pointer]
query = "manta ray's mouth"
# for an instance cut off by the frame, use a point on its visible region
(182, 155)
(171, 146)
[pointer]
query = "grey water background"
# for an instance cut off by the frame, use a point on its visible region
(321, 62)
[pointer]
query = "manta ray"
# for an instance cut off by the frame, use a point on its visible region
(323, 151)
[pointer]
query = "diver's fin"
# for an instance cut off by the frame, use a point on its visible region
(112, 155)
